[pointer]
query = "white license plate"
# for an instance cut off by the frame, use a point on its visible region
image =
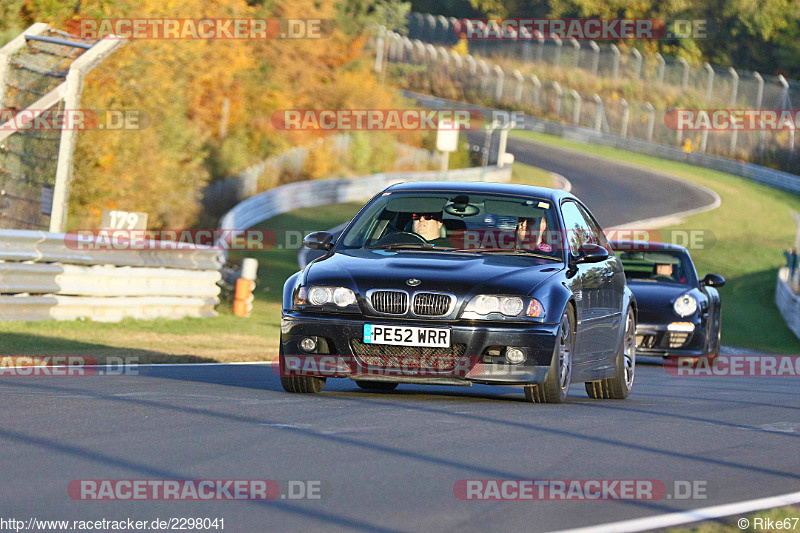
(407, 336)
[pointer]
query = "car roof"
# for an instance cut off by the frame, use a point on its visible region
(482, 187)
(647, 245)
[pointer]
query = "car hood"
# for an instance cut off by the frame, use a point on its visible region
(655, 300)
(456, 273)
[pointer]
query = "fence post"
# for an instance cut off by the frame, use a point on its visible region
(660, 71)
(537, 89)
(498, 88)
(431, 23)
(709, 81)
(379, 50)
(598, 115)
(626, 115)
(520, 82)
(559, 93)
(759, 91)
(734, 85)
(595, 57)
(784, 92)
(615, 67)
(685, 79)
(651, 120)
(576, 111)
(559, 44)
(445, 28)
(576, 51)
(457, 61)
(637, 70)
(540, 48)
(526, 44)
(484, 68)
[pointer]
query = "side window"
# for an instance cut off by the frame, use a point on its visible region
(578, 231)
(599, 235)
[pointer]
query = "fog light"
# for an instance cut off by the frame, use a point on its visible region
(686, 327)
(515, 355)
(307, 344)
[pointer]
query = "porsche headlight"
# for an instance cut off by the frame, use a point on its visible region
(485, 304)
(685, 305)
(319, 296)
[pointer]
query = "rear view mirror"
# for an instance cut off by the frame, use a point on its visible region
(319, 240)
(713, 280)
(592, 253)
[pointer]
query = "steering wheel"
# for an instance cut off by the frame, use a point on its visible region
(402, 237)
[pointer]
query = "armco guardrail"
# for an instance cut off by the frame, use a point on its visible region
(61, 276)
(787, 301)
(768, 176)
(323, 192)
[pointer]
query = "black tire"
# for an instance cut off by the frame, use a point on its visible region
(556, 386)
(302, 384)
(619, 387)
(299, 384)
(376, 385)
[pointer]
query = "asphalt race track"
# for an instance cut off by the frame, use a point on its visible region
(387, 461)
(615, 192)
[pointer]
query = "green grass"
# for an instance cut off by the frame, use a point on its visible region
(752, 228)
(730, 524)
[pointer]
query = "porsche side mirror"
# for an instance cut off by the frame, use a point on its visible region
(319, 240)
(592, 253)
(713, 280)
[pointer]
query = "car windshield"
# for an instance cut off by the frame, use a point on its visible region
(452, 221)
(669, 266)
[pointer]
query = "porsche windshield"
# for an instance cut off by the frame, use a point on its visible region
(449, 221)
(660, 265)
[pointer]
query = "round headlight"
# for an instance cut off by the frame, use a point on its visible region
(511, 306)
(319, 295)
(343, 297)
(685, 305)
(487, 304)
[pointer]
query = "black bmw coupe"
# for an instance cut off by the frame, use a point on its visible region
(461, 283)
(679, 313)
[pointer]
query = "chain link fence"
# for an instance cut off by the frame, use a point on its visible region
(632, 92)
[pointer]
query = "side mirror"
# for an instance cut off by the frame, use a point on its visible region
(592, 253)
(713, 280)
(319, 240)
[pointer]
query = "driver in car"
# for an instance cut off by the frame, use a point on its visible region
(429, 226)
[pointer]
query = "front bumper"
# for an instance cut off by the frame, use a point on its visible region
(657, 340)
(472, 357)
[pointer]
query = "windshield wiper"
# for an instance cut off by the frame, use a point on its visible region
(403, 246)
(509, 251)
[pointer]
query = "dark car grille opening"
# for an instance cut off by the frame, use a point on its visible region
(431, 304)
(389, 302)
(663, 340)
(408, 357)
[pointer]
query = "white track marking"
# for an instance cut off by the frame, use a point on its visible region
(687, 517)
